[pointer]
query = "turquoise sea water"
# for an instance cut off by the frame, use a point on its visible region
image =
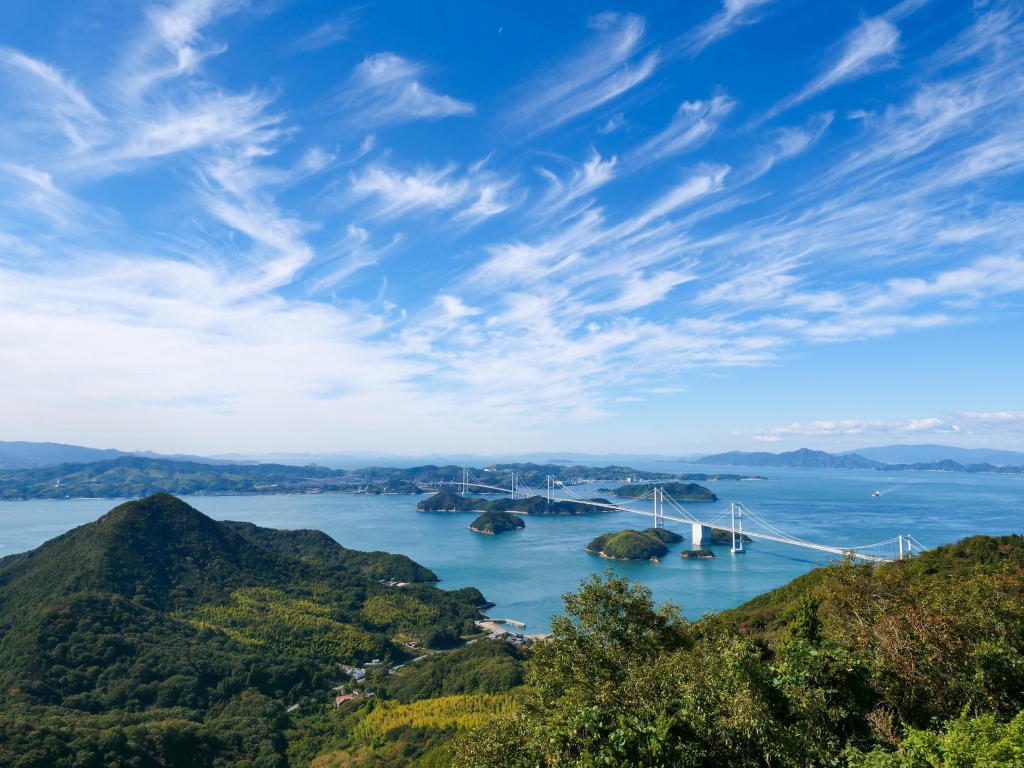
(525, 572)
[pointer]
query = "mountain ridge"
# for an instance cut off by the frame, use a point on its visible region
(806, 458)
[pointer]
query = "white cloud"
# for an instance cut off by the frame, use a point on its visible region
(474, 196)
(734, 14)
(692, 125)
(788, 142)
(587, 178)
(959, 423)
(868, 48)
(387, 89)
(612, 64)
(326, 34)
(707, 180)
(247, 306)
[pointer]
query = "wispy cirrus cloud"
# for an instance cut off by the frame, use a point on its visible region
(610, 65)
(692, 125)
(387, 89)
(583, 180)
(328, 33)
(272, 279)
(734, 14)
(868, 48)
(790, 141)
(473, 196)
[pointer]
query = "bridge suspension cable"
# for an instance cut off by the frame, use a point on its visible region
(730, 519)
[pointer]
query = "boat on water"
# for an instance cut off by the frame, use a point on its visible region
(875, 495)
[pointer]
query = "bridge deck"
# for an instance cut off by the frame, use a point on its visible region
(754, 534)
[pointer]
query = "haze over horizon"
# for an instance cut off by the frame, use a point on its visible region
(232, 227)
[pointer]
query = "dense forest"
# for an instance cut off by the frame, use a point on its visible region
(129, 477)
(156, 634)
(159, 637)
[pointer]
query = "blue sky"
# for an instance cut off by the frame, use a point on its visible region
(408, 227)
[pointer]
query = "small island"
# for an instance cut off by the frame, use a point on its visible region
(634, 545)
(678, 491)
(697, 554)
(722, 536)
(493, 523)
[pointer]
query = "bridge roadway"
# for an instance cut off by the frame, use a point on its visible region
(694, 521)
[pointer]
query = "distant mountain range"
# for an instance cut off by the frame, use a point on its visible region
(822, 460)
(802, 458)
(926, 454)
(24, 455)
(28, 455)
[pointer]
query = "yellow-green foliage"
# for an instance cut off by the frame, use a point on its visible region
(397, 610)
(444, 713)
(270, 619)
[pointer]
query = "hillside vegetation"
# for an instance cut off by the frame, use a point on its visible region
(156, 635)
(907, 665)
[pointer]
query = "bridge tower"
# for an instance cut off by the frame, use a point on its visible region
(701, 535)
(737, 533)
(656, 489)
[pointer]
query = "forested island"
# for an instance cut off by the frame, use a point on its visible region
(677, 491)
(697, 554)
(157, 636)
(496, 522)
(446, 501)
(634, 545)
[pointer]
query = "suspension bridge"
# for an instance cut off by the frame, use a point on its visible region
(737, 519)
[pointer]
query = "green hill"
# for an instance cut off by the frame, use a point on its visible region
(175, 634)
(318, 547)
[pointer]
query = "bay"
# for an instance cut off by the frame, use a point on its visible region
(525, 572)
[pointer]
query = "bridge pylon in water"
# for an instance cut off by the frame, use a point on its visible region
(737, 531)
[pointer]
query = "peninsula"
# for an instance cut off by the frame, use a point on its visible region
(678, 491)
(446, 501)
